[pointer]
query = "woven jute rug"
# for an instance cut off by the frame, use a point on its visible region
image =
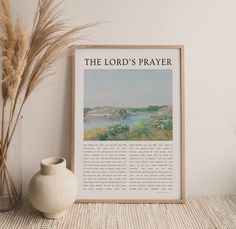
(198, 212)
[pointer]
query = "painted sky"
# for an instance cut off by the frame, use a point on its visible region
(127, 88)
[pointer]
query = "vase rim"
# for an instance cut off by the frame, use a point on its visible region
(52, 165)
(53, 161)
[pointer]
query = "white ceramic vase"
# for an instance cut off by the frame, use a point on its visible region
(53, 189)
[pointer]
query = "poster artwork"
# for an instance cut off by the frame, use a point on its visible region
(128, 105)
(128, 123)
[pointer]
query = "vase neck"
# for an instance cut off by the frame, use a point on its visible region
(54, 165)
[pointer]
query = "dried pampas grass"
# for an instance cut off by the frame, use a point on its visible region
(25, 61)
(15, 61)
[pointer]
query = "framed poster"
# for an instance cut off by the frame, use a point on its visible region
(128, 123)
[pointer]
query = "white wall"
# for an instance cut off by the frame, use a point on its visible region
(208, 31)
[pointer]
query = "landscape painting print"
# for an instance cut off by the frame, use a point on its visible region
(128, 123)
(128, 105)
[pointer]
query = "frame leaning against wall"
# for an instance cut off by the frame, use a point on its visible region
(82, 52)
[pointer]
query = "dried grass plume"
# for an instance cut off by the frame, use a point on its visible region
(25, 59)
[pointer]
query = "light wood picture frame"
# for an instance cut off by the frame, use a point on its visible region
(128, 123)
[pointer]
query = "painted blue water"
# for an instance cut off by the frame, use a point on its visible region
(131, 120)
(134, 119)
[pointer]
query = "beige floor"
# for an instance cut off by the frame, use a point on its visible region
(199, 212)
